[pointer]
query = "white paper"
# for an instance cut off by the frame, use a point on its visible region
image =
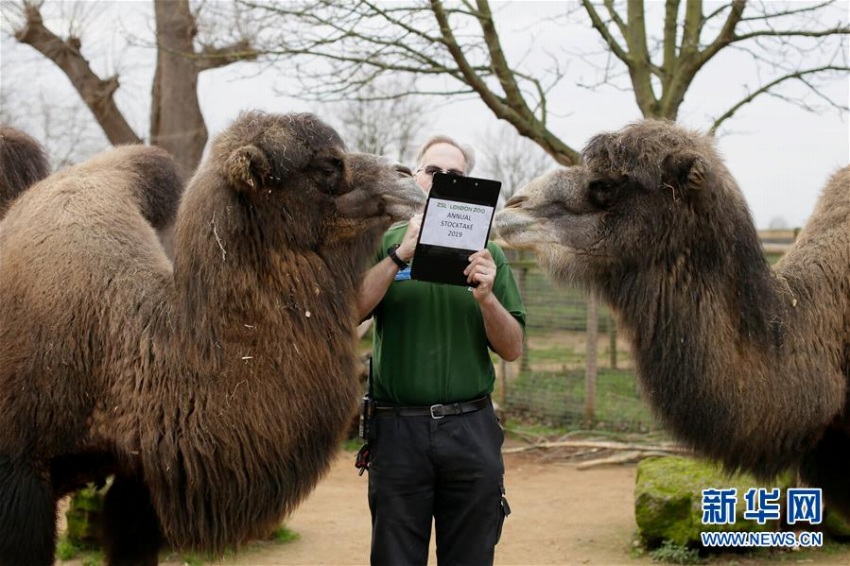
(454, 224)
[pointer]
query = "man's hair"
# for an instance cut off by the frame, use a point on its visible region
(466, 150)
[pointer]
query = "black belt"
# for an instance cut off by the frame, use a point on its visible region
(437, 411)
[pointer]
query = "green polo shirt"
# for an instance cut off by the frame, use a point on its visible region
(430, 344)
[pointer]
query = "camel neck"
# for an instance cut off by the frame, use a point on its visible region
(714, 356)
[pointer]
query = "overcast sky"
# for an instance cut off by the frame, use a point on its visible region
(780, 154)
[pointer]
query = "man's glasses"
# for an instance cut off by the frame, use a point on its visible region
(431, 169)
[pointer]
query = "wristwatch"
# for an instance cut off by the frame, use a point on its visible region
(394, 256)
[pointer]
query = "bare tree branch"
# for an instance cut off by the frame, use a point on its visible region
(212, 57)
(97, 93)
(769, 87)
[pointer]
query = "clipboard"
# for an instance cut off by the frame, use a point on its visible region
(456, 224)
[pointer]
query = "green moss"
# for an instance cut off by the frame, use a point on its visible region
(668, 500)
(85, 517)
(835, 525)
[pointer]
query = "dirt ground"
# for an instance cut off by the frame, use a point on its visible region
(560, 515)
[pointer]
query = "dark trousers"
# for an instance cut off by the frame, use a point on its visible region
(450, 469)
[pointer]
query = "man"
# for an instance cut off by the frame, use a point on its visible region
(436, 443)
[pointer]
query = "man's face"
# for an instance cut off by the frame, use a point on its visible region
(440, 157)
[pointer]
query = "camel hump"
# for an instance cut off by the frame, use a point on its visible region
(146, 175)
(23, 162)
(156, 186)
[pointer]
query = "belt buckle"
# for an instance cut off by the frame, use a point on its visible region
(438, 407)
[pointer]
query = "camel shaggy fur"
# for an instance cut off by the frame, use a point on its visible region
(215, 389)
(23, 162)
(749, 365)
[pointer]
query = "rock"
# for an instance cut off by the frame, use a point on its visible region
(668, 500)
(85, 518)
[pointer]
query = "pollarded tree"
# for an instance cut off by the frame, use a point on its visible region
(654, 49)
(185, 46)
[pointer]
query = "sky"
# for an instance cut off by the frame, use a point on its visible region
(780, 155)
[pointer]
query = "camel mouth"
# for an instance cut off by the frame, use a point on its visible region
(406, 201)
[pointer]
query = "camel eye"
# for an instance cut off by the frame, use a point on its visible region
(605, 191)
(330, 173)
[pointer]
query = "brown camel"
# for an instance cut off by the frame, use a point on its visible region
(216, 390)
(749, 365)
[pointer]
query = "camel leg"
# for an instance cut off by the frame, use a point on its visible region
(27, 516)
(131, 529)
(828, 467)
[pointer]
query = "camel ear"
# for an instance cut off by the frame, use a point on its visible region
(247, 168)
(685, 170)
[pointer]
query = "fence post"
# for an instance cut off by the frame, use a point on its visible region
(612, 339)
(591, 372)
(524, 364)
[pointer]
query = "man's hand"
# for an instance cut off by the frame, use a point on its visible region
(481, 271)
(407, 247)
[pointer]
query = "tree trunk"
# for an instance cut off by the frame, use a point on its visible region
(176, 120)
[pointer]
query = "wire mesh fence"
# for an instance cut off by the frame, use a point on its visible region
(566, 378)
(551, 384)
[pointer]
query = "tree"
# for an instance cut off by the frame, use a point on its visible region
(659, 49)
(510, 158)
(176, 122)
(64, 128)
(385, 125)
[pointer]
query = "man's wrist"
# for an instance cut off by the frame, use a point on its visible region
(404, 254)
(392, 253)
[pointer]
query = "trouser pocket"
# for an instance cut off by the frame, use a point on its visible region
(504, 511)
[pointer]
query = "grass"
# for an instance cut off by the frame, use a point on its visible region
(285, 535)
(673, 553)
(65, 550)
(558, 399)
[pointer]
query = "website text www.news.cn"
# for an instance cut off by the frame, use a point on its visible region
(803, 506)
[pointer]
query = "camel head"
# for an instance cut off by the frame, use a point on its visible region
(380, 188)
(296, 168)
(649, 198)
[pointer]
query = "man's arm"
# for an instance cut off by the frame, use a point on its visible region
(503, 331)
(378, 279)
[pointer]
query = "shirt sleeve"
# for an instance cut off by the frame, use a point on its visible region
(505, 286)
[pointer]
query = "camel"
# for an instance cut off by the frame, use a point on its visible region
(215, 390)
(23, 162)
(746, 364)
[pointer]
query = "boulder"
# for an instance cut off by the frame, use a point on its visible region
(668, 500)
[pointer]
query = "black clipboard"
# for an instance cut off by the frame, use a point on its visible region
(462, 203)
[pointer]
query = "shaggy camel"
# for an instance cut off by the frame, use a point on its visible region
(747, 364)
(216, 390)
(22, 163)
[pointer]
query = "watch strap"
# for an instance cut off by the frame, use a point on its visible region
(391, 251)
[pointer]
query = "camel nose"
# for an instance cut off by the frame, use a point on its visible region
(516, 201)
